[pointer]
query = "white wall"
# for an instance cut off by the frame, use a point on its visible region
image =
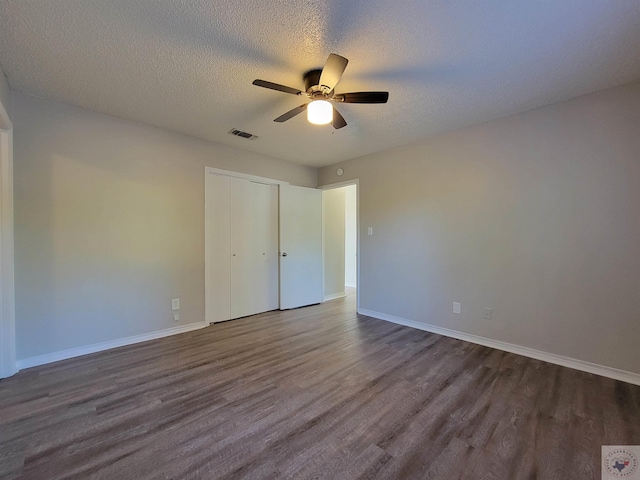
(351, 236)
(109, 224)
(535, 215)
(333, 223)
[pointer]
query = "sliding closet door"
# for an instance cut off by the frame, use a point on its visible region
(254, 276)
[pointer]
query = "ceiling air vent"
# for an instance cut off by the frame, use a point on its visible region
(240, 133)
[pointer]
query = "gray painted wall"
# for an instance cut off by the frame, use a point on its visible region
(333, 220)
(109, 224)
(536, 215)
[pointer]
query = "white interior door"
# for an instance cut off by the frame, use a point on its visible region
(300, 246)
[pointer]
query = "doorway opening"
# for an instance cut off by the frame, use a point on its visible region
(340, 240)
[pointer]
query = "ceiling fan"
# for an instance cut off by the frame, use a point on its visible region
(319, 87)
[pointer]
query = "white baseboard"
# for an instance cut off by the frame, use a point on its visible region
(333, 296)
(98, 347)
(350, 286)
(623, 375)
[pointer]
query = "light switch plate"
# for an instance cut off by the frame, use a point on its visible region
(456, 307)
(175, 304)
(370, 231)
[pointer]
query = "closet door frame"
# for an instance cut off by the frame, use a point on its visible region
(209, 228)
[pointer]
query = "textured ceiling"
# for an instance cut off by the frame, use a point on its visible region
(188, 65)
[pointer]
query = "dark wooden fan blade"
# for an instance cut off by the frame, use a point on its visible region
(291, 113)
(363, 97)
(276, 86)
(338, 120)
(332, 71)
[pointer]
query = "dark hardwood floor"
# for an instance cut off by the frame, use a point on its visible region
(319, 392)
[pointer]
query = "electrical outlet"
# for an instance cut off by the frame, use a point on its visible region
(456, 307)
(176, 317)
(488, 313)
(370, 231)
(175, 304)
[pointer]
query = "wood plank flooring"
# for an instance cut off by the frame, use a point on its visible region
(318, 392)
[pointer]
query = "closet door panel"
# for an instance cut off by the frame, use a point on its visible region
(258, 275)
(241, 237)
(250, 244)
(266, 248)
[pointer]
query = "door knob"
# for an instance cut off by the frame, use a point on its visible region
(284, 254)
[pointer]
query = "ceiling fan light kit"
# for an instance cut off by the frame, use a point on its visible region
(320, 112)
(319, 88)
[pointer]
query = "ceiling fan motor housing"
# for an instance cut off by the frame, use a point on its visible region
(312, 81)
